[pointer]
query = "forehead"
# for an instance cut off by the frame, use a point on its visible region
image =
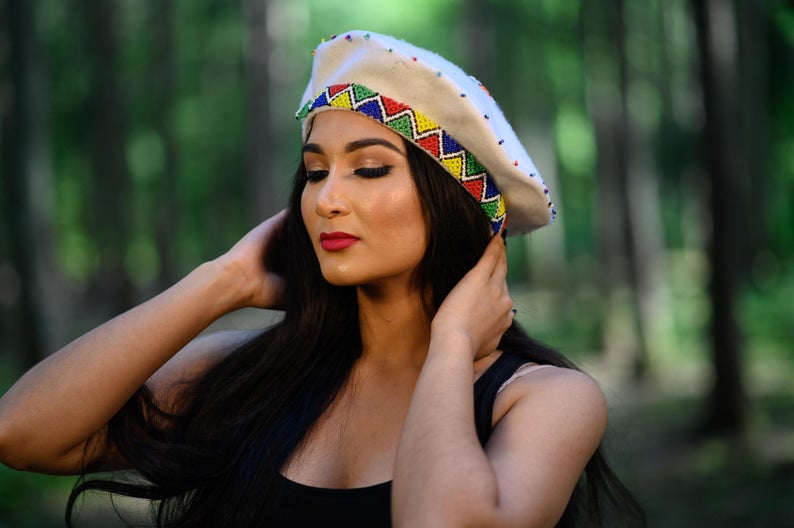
(344, 126)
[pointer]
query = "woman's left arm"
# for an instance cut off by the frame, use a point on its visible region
(554, 420)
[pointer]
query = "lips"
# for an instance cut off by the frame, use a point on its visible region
(337, 240)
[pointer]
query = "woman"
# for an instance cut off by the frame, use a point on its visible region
(397, 389)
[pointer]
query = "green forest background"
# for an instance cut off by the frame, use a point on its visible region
(142, 137)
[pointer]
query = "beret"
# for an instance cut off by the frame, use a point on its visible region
(441, 109)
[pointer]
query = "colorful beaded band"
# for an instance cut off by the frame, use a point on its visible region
(425, 133)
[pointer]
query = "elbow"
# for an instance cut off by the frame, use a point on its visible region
(21, 451)
(12, 452)
(495, 518)
(461, 514)
(10, 442)
(456, 520)
(474, 514)
(21, 455)
(16, 464)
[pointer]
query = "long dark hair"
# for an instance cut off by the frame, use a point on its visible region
(213, 462)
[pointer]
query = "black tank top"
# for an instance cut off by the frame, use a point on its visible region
(299, 505)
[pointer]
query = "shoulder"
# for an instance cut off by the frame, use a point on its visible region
(569, 399)
(549, 423)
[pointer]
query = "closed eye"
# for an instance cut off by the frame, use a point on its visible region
(316, 175)
(373, 172)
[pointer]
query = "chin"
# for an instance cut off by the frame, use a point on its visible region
(340, 281)
(350, 275)
(338, 277)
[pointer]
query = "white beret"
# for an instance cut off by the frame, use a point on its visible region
(438, 107)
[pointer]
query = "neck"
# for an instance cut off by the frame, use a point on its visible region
(395, 329)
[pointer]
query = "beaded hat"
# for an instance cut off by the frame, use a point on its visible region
(441, 109)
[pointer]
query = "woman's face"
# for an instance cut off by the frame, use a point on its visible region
(360, 205)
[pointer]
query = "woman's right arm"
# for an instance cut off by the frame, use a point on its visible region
(49, 415)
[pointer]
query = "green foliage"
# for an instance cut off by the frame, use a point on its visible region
(575, 140)
(553, 66)
(767, 310)
(28, 500)
(783, 17)
(688, 480)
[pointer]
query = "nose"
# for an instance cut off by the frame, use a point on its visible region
(331, 199)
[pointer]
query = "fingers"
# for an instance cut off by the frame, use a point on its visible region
(498, 278)
(495, 261)
(500, 267)
(275, 224)
(280, 217)
(480, 304)
(494, 258)
(266, 233)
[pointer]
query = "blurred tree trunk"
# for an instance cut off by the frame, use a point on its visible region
(167, 195)
(753, 49)
(27, 180)
(643, 203)
(110, 217)
(479, 20)
(604, 34)
(716, 32)
(261, 176)
(492, 56)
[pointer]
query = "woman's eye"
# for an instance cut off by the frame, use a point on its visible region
(316, 175)
(373, 172)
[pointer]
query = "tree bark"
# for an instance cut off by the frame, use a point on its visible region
(27, 182)
(607, 85)
(715, 24)
(261, 181)
(646, 239)
(478, 21)
(110, 218)
(167, 197)
(753, 92)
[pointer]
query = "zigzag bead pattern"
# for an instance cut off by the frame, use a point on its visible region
(425, 133)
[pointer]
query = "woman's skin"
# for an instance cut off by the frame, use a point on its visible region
(405, 413)
(48, 416)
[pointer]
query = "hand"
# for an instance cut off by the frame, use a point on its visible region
(479, 307)
(250, 262)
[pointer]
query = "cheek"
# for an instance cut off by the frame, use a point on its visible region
(397, 208)
(400, 213)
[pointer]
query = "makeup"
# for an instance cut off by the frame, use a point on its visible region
(337, 241)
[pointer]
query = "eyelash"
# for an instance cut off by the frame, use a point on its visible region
(373, 172)
(315, 176)
(364, 172)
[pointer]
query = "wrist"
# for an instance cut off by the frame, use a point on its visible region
(455, 344)
(222, 286)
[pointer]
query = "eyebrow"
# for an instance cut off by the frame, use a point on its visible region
(355, 145)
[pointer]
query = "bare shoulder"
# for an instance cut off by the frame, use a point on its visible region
(566, 394)
(548, 423)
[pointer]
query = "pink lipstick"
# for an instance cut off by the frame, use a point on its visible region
(337, 240)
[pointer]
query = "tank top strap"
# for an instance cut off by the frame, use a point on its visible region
(487, 387)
